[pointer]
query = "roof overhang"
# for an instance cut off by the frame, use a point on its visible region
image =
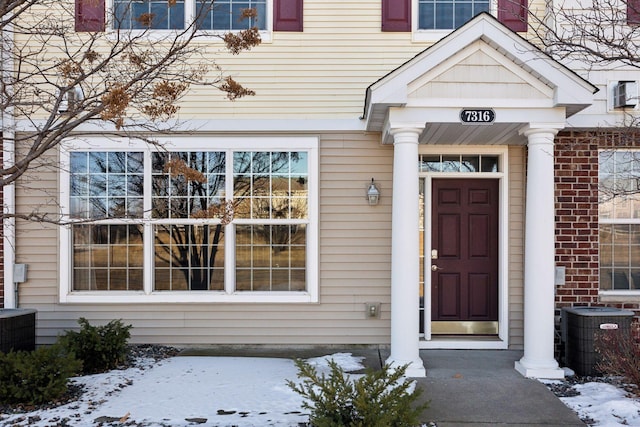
(484, 65)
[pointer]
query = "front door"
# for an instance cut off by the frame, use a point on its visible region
(464, 257)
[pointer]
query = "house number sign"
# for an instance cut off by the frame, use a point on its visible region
(477, 116)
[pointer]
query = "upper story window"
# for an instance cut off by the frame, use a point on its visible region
(448, 14)
(218, 15)
(231, 15)
(221, 15)
(432, 19)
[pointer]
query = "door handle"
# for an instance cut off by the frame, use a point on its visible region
(435, 268)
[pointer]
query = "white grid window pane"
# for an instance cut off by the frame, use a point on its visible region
(619, 216)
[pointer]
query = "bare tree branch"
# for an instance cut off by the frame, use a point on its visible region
(56, 80)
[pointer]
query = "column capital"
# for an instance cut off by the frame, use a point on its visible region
(406, 135)
(541, 128)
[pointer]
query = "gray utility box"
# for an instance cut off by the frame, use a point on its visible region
(579, 328)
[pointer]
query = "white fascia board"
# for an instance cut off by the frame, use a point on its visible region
(412, 117)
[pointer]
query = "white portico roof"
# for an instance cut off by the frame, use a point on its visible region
(482, 65)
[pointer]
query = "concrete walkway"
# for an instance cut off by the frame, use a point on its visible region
(475, 388)
(481, 388)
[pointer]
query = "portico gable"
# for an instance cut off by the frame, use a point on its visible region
(481, 85)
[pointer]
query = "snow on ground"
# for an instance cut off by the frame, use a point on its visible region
(181, 391)
(603, 405)
(244, 392)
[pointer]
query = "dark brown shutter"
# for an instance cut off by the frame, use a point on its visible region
(633, 12)
(90, 15)
(396, 15)
(287, 15)
(513, 14)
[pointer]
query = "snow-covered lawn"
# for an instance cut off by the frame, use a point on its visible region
(182, 391)
(602, 404)
(244, 392)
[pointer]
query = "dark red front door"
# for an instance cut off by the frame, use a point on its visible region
(464, 277)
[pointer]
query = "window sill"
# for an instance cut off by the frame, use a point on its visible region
(431, 36)
(115, 297)
(619, 296)
(167, 35)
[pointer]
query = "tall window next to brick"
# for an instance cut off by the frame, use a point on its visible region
(619, 212)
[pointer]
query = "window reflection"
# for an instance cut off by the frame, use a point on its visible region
(189, 257)
(107, 257)
(188, 204)
(270, 257)
(186, 183)
(106, 185)
(270, 185)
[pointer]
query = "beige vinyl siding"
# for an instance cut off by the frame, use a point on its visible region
(322, 72)
(354, 268)
(516, 245)
(484, 77)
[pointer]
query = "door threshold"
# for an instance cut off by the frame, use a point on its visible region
(464, 342)
(465, 338)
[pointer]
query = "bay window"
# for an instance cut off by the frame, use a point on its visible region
(217, 224)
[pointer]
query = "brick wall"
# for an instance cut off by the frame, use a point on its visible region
(576, 217)
(576, 181)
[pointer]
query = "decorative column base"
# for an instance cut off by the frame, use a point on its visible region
(415, 369)
(539, 372)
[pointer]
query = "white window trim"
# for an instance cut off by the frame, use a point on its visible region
(285, 143)
(418, 35)
(266, 35)
(615, 292)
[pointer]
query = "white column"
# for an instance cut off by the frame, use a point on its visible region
(405, 300)
(539, 259)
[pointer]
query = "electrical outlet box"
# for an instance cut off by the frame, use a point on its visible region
(19, 273)
(372, 310)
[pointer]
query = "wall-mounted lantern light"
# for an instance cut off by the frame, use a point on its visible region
(373, 194)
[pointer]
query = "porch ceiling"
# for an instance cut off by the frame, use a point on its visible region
(459, 134)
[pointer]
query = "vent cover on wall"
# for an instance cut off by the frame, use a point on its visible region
(71, 99)
(625, 94)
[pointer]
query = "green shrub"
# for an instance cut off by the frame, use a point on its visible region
(376, 399)
(33, 377)
(100, 348)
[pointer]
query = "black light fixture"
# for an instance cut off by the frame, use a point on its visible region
(373, 194)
